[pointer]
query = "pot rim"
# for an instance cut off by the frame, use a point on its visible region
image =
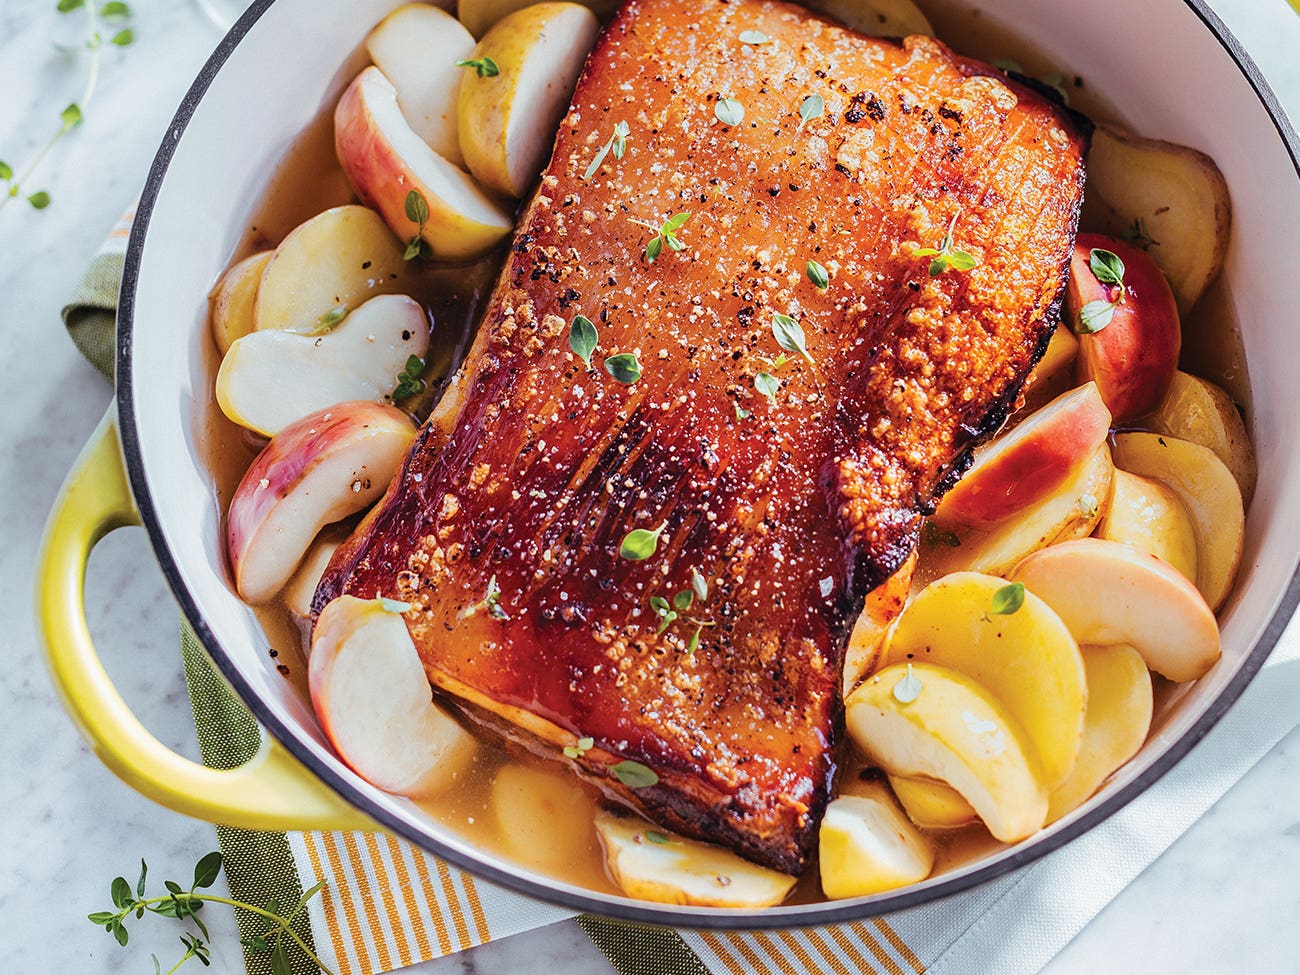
(829, 912)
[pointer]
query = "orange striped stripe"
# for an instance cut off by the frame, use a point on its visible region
(876, 948)
(345, 899)
(366, 895)
(711, 939)
(797, 949)
(849, 948)
(825, 950)
(899, 945)
(408, 893)
(476, 908)
(327, 905)
(390, 905)
(741, 943)
(435, 912)
(453, 902)
(766, 942)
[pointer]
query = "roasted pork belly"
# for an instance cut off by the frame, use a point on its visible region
(785, 486)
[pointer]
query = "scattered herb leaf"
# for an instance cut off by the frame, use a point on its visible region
(409, 380)
(485, 66)
(1094, 316)
(946, 256)
(789, 335)
(617, 144)
(741, 414)
(123, 37)
(582, 338)
(665, 613)
(1009, 599)
(754, 37)
(417, 211)
(908, 689)
(699, 585)
(665, 235)
(729, 111)
(1106, 266)
(817, 275)
(640, 543)
(941, 536)
(684, 600)
(767, 385)
(330, 320)
(814, 106)
(656, 837)
(579, 749)
(634, 775)
(625, 367)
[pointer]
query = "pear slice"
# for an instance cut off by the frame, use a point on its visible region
(1119, 717)
(655, 865)
(1198, 410)
(543, 816)
(956, 731)
(931, 804)
(867, 639)
(866, 845)
(234, 300)
(1147, 515)
(1027, 659)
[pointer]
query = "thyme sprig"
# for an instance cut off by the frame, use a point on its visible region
(617, 144)
(947, 256)
(417, 211)
(665, 235)
(669, 612)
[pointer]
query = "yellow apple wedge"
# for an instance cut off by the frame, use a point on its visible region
(417, 47)
(373, 700)
(1119, 717)
(508, 118)
(545, 819)
(1208, 491)
(1054, 373)
(956, 731)
(340, 258)
(234, 300)
(1027, 659)
(1108, 592)
(877, 18)
(656, 865)
(1198, 410)
(932, 804)
(386, 162)
(865, 845)
(1146, 514)
(882, 606)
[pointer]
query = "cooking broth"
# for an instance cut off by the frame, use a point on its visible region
(308, 180)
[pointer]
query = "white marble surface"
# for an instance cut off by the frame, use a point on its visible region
(1224, 898)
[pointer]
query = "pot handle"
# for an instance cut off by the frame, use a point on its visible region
(272, 791)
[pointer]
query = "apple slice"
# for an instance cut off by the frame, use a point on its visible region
(1199, 411)
(417, 47)
(1026, 658)
(337, 259)
(866, 845)
(877, 18)
(374, 704)
(508, 119)
(543, 817)
(1129, 333)
(300, 590)
(1108, 592)
(932, 804)
(1119, 717)
(1054, 373)
(386, 163)
(1030, 462)
(882, 607)
(233, 301)
(655, 865)
(1146, 514)
(1071, 511)
(956, 731)
(1175, 199)
(1210, 494)
(271, 379)
(315, 472)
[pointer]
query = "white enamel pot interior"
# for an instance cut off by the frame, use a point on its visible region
(1169, 63)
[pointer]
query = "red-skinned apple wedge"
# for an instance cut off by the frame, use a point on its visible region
(385, 160)
(317, 471)
(1129, 332)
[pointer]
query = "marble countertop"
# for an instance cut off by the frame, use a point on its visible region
(1224, 897)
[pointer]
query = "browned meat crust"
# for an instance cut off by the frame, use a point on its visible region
(534, 469)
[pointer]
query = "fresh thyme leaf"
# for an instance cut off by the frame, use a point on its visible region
(1009, 599)
(699, 585)
(579, 749)
(207, 870)
(817, 275)
(39, 200)
(120, 892)
(634, 775)
(640, 543)
(653, 249)
(814, 106)
(789, 335)
(485, 66)
(754, 37)
(492, 601)
(1106, 266)
(114, 10)
(908, 689)
(617, 143)
(330, 320)
(962, 261)
(942, 536)
(123, 37)
(946, 256)
(409, 381)
(625, 367)
(683, 600)
(729, 111)
(656, 837)
(416, 207)
(1094, 316)
(70, 116)
(768, 385)
(67, 6)
(1137, 235)
(741, 414)
(6, 171)
(394, 606)
(582, 338)
(665, 235)
(694, 643)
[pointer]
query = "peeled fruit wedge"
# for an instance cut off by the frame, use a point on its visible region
(1199, 411)
(234, 300)
(480, 15)
(877, 18)
(956, 731)
(385, 161)
(1027, 659)
(1054, 373)
(1108, 592)
(1178, 195)
(654, 865)
(1029, 463)
(543, 819)
(1119, 717)
(883, 604)
(417, 47)
(339, 258)
(1210, 494)
(315, 472)
(931, 804)
(1146, 514)
(1072, 510)
(508, 120)
(866, 845)
(271, 379)
(300, 590)
(374, 704)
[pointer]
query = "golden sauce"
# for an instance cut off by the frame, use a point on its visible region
(308, 180)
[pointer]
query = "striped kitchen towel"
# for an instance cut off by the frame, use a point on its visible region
(386, 905)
